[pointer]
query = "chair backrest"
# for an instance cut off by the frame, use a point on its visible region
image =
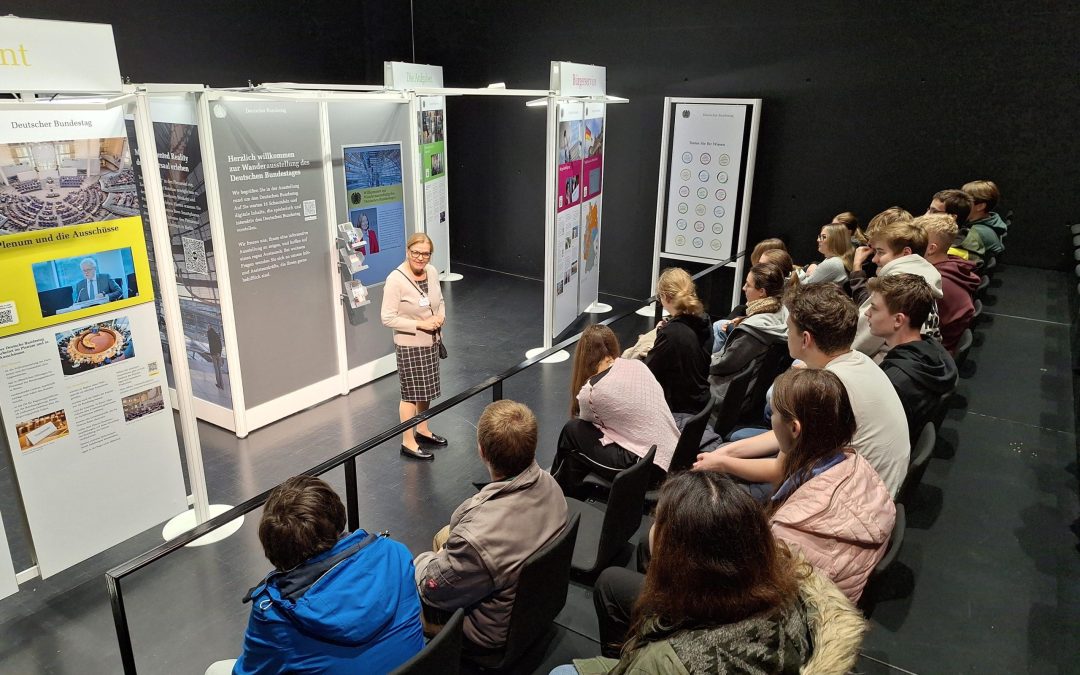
(895, 541)
(729, 408)
(442, 654)
(978, 310)
(541, 592)
(686, 450)
(920, 457)
(983, 283)
(964, 346)
(624, 508)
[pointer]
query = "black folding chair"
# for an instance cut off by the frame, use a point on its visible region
(541, 594)
(604, 534)
(441, 655)
(920, 458)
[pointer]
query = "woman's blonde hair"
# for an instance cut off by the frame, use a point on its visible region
(838, 243)
(678, 288)
(417, 238)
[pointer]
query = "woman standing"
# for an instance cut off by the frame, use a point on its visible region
(413, 306)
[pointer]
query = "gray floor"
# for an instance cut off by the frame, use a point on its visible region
(987, 580)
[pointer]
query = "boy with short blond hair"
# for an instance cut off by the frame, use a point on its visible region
(958, 279)
(896, 248)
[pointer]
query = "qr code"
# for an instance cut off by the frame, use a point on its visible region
(8, 315)
(195, 255)
(309, 207)
(152, 368)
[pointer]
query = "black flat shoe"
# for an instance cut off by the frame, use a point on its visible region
(416, 454)
(434, 439)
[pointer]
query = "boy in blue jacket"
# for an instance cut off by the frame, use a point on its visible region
(336, 602)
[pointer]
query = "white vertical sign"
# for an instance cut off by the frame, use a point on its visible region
(57, 57)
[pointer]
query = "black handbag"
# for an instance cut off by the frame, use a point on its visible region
(442, 345)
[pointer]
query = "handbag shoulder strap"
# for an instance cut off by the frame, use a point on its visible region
(417, 287)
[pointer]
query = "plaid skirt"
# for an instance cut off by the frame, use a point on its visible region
(418, 372)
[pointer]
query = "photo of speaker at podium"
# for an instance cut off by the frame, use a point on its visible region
(69, 284)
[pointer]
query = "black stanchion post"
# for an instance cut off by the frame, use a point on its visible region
(352, 504)
(496, 391)
(658, 312)
(123, 636)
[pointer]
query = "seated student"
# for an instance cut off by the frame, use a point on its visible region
(983, 220)
(919, 368)
(770, 244)
(680, 358)
(851, 222)
(478, 557)
(336, 602)
(830, 505)
(618, 412)
(957, 204)
(776, 256)
(745, 341)
(721, 595)
(893, 214)
(897, 247)
(958, 279)
(833, 242)
(821, 326)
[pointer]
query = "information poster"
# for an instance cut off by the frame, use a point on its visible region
(268, 157)
(179, 160)
(81, 376)
(592, 179)
(568, 196)
(373, 190)
(8, 584)
(434, 166)
(703, 179)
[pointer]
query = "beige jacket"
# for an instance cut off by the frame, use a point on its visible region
(401, 306)
(491, 535)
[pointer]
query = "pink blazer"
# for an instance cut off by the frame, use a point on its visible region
(401, 306)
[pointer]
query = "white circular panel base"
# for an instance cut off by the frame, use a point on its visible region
(650, 310)
(598, 308)
(452, 276)
(186, 521)
(557, 357)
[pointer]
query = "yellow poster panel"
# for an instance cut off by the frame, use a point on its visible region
(64, 273)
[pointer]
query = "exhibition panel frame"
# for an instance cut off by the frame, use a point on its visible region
(706, 142)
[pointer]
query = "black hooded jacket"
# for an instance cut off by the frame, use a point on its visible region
(921, 371)
(680, 362)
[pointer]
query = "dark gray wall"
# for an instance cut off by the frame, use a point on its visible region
(867, 104)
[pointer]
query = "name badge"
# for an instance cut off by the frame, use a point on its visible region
(424, 302)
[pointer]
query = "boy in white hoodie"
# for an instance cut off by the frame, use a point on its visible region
(896, 248)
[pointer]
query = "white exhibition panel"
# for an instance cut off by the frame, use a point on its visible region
(703, 179)
(570, 152)
(8, 584)
(57, 56)
(433, 168)
(592, 180)
(114, 470)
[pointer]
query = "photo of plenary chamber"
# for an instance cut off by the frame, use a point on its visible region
(142, 404)
(94, 346)
(69, 284)
(60, 183)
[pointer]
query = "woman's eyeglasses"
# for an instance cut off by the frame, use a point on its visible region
(418, 255)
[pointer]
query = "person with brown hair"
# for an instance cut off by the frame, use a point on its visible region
(770, 244)
(617, 413)
(680, 357)
(956, 203)
(830, 504)
(720, 595)
(476, 559)
(896, 247)
(988, 228)
(919, 368)
(821, 326)
(958, 279)
(833, 242)
(854, 227)
(413, 306)
(337, 601)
